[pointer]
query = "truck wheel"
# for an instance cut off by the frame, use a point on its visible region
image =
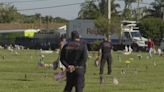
(135, 47)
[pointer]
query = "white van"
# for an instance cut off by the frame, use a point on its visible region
(130, 36)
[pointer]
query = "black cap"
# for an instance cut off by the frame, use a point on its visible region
(74, 35)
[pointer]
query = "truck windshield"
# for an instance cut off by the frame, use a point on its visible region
(135, 34)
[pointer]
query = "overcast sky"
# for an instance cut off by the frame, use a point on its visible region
(68, 12)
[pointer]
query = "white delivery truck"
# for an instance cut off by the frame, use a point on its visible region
(86, 29)
(129, 36)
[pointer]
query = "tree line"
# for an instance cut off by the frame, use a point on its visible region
(9, 14)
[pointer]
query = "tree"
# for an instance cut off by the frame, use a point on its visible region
(157, 8)
(60, 20)
(89, 10)
(103, 24)
(127, 8)
(152, 27)
(103, 7)
(8, 13)
(108, 27)
(128, 3)
(114, 7)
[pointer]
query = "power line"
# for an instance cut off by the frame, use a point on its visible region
(64, 5)
(49, 7)
(24, 1)
(30, 1)
(144, 3)
(139, 2)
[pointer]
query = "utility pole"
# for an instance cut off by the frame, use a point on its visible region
(109, 9)
(138, 10)
(163, 10)
(40, 22)
(47, 20)
(108, 14)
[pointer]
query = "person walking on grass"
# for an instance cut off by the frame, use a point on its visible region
(74, 57)
(150, 46)
(105, 54)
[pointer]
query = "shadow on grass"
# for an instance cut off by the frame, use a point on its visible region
(18, 79)
(23, 79)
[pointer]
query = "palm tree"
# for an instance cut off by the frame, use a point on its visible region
(103, 7)
(157, 8)
(89, 10)
(114, 7)
(127, 8)
(128, 3)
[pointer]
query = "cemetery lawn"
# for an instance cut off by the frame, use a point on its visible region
(19, 73)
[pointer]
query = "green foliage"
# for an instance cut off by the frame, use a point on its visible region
(37, 18)
(103, 24)
(89, 10)
(157, 8)
(60, 20)
(127, 14)
(127, 9)
(115, 24)
(8, 13)
(114, 7)
(108, 27)
(152, 27)
(28, 19)
(128, 3)
(95, 45)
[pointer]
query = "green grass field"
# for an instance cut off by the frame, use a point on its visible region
(20, 73)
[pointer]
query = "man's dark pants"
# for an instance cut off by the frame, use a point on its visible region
(76, 79)
(105, 58)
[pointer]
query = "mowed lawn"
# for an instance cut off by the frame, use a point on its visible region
(19, 73)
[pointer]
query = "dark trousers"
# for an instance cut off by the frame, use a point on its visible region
(107, 58)
(76, 79)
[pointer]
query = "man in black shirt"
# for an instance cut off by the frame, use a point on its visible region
(105, 53)
(74, 57)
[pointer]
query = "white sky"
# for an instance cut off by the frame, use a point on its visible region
(68, 12)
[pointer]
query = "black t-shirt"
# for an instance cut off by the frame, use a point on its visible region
(74, 53)
(106, 48)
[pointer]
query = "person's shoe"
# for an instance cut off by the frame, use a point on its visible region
(101, 79)
(109, 73)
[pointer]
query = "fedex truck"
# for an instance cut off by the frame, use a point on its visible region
(86, 29)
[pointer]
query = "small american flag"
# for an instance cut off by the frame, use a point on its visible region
(60, 76)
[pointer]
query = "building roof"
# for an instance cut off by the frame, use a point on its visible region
(13, 26)
(19, 30)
